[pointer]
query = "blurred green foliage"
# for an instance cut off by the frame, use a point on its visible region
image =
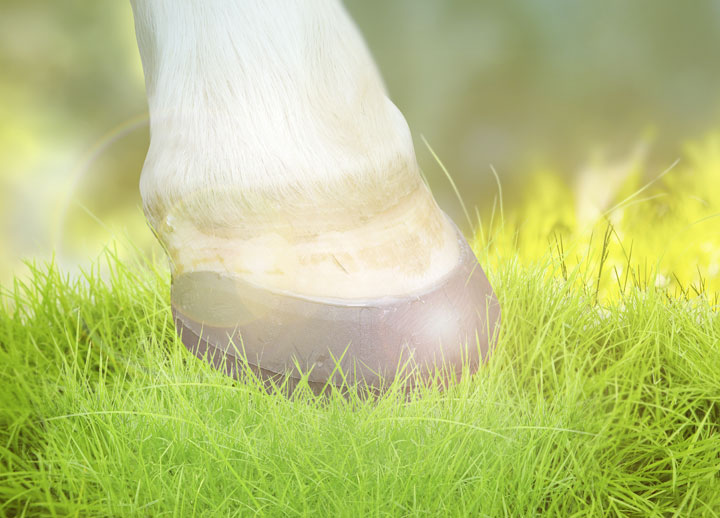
(70, 77)
(662, 232)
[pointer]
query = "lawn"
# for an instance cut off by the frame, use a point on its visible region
(602, 399)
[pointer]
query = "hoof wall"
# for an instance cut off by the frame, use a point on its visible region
(230, 322)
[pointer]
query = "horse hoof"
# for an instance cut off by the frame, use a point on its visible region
(231, 322)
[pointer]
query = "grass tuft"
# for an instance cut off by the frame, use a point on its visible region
(584, 410)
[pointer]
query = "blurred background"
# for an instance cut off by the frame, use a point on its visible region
(591, 92)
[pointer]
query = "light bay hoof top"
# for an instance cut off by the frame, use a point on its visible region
(231, 322)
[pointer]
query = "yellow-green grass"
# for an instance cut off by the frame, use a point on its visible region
(660, 227)
(602, 397)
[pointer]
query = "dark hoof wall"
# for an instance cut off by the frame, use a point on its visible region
(231, 323)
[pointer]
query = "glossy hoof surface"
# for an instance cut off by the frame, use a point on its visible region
(229, 321)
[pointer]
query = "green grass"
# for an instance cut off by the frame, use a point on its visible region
(584, 410)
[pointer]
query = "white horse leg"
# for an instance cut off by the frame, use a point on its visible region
(283, 184)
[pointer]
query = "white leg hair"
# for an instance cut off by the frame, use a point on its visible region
(276, 155)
